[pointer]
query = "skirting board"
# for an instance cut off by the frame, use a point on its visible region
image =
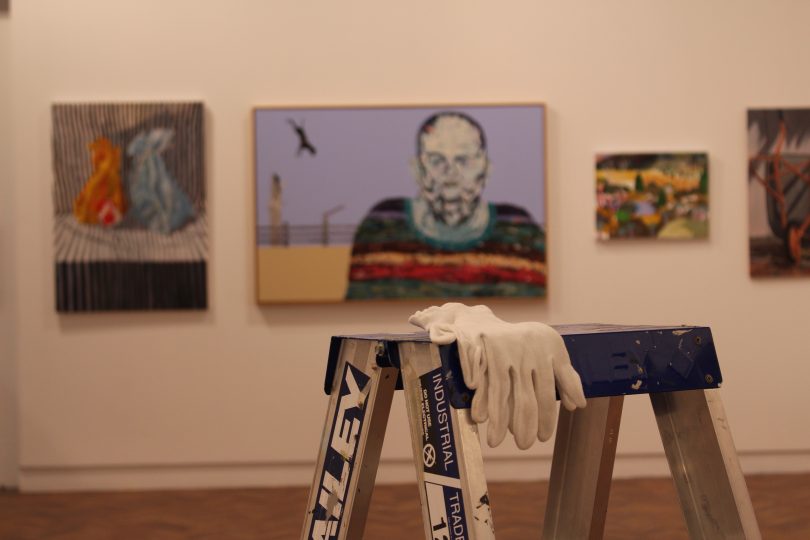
(499, 469)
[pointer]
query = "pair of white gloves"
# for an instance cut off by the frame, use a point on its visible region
(511, 366)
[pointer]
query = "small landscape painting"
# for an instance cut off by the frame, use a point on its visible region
(652, 196)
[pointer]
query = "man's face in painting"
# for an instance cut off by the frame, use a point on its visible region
(453, 168)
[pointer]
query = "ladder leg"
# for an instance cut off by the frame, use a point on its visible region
(582, 468)
(350, 446)
(704, 464)
(447, 452)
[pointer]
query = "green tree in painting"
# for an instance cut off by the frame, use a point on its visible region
(639, 182)
(601, 183)
(704, 182)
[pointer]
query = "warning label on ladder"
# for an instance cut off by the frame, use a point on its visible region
(438, 445)
(440, 461)
(340, 455)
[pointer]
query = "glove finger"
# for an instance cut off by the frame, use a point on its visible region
(472, 362)
(510, 407)
(525, 411)
(418, 319)
(543, 382)
(570, 387)
(499, 390)
(480, 402)
(442, 334)
(425, 317)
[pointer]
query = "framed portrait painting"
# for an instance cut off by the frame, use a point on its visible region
(366, 203)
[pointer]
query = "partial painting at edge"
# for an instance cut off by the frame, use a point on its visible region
(779, 191)
(652, 196)
(129, 203)
(408, 202)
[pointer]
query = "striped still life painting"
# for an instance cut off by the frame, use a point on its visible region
(130, 219)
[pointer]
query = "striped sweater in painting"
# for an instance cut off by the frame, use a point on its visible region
(392, 259)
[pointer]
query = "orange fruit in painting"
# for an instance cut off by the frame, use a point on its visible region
(101, 200)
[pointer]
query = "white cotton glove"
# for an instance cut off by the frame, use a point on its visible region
(512, 368)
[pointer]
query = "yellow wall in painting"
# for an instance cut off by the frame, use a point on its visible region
(627, 177)
(311, 273)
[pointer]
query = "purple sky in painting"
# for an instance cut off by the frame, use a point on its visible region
(365, 155)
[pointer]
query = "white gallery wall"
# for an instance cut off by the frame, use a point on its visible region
(232, 396)
(8, 377)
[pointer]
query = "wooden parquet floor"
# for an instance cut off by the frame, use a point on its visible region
(639, 509)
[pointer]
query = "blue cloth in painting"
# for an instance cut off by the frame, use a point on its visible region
(158, 202)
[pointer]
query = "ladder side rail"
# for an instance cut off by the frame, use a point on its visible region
(351, 443)
(582, 469)
(447, 451)
(704, 465)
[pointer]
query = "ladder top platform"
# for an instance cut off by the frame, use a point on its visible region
(612, 360)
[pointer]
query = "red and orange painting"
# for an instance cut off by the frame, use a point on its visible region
(779, 191)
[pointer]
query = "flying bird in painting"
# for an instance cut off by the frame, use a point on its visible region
(303, 140)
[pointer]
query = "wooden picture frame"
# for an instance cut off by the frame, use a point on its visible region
(428, 201)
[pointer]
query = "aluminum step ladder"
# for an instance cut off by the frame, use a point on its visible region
(676, 366)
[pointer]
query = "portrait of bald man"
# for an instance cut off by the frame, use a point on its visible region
(448, 241)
